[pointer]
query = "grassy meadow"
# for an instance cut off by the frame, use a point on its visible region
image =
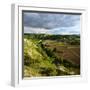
(51, 55)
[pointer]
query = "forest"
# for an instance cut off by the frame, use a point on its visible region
(51, 55)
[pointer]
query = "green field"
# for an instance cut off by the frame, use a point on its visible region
(51, 55)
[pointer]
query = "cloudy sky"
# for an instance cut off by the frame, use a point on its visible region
(51, 23)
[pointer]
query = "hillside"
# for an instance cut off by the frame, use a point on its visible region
(51, 55)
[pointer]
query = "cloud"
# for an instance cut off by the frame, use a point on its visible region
(66, 30)
(35, 30)
(51, 23)
(48, 20)
(59, 30)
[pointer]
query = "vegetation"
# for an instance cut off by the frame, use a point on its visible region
(51, 55)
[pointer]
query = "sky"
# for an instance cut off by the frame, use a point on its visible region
(51, 23)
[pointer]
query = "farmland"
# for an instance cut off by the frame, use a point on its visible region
(51, 55)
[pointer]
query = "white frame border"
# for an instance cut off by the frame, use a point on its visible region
(16, 50)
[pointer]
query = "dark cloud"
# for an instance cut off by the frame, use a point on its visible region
(49, 20)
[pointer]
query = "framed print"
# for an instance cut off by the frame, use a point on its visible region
(47, 45)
